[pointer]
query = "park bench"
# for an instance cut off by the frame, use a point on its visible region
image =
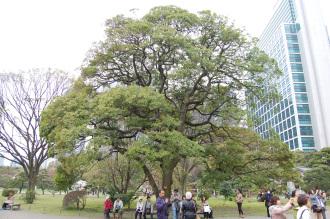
(14, 206)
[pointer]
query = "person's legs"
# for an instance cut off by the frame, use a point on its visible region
(174, 216)
(268, 215)
(324, 213)
(106, 214)
(136, 214)
(240, 211)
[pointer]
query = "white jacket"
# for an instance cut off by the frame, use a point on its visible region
(304, 213)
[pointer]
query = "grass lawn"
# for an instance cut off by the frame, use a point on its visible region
(49, 204)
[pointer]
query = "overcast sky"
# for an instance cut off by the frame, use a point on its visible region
(58, 33)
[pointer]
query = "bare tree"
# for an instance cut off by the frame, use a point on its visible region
(23, 96)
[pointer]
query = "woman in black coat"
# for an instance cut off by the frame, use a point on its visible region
(189, 207)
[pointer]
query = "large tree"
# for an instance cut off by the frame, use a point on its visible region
(23, 97)
(181, 78)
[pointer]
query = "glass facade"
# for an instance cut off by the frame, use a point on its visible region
(290, 116)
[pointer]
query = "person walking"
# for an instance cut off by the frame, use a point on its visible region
(107, 207)
(148, 209)
(276, 210)
(118, 209)
(189, 208)
(161, 204)
(139, 209)
(239, 202)
(303, 211)
(268, 197)
(175, 200)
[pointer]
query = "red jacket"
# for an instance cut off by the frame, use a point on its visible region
(107, 204)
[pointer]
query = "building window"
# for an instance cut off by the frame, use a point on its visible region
(290, 28)
(306, 130)
(296, 143)
(298, 77)
(293, 121)
(292, 38)
(294, 132)
(295, 58)
(293, 48)
(305, 119)
(295, 67)
(299, 87)
(307, 142)
(301, 98)
(303, 108)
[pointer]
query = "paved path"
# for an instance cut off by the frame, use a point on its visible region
(21, 214)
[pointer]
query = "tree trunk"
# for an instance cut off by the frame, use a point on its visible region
(32, 181)
(167, 181)
(151, 180)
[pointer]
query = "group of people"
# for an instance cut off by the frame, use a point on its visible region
(116, 208)
(305, 205)
(184, 207)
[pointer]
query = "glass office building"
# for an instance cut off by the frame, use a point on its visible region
(297, 39)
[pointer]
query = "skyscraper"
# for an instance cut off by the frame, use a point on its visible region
(297, 38)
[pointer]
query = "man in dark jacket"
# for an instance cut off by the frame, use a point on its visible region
(189, 207)
(161, 204)
(268, 197)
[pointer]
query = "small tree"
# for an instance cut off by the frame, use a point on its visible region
(77, 198)
(22, 98)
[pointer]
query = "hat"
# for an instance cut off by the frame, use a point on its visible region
(107, 197)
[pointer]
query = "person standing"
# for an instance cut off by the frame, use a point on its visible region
(161, 204)
(303, 211)
(175, 200)
(107, 207)
(139, 208)
(206, 208)
(276, 210)
(148, 209)
(268, 197)
(181, 203)
(324, 200)
(189, 208)
(317, 203)
(118, 209)
(239, 202)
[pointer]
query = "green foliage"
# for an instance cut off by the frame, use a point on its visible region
(244, 156)
(160, 88)
(30, 195)
(226, 189)
(6, 176)
(317, 178)
(319, 173)
(44, 181)
(64, 179)
(78, 198)
(7, 192)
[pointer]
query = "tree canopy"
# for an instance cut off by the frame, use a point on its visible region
(161, 88)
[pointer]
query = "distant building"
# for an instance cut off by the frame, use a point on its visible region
(296, 37)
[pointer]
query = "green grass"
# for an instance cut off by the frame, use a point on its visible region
(49, 204)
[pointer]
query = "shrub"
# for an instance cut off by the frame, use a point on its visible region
(76, 197)
(6, 192)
